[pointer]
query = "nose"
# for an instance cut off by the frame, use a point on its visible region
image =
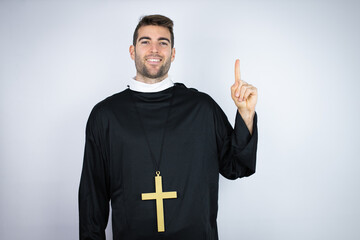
(154, 48)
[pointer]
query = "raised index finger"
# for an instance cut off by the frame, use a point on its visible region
(237, 71)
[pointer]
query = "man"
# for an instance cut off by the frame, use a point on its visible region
(155, 150)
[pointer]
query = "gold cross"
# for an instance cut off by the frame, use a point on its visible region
(159, 195)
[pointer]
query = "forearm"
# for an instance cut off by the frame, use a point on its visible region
(248, 118)
(238, 149)
(94, 193)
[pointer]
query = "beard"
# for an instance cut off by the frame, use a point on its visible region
(145, 71)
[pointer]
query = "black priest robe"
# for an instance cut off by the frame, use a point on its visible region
(199, 143)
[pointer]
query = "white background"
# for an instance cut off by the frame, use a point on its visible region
(59, 58)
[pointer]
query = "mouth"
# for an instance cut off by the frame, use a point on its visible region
(153, 60)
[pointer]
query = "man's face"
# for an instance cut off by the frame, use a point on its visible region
(152, 54)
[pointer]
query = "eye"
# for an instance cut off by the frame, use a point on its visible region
(163, 43)
(144, 42)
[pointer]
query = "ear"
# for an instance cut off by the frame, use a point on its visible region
(132, 52)
(172, 54)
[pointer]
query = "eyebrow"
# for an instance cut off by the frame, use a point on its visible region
(159, 39)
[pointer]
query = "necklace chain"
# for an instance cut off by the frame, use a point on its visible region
(156, 163)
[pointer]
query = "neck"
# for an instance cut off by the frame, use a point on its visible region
(147, 80)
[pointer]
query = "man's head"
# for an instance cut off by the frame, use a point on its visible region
(155, 20)
(152, 48)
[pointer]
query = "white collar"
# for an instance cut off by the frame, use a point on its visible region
(150, 88)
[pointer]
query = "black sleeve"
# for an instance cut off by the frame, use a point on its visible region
(94, 191)
(236, 147)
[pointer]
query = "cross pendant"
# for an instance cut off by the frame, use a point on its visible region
(159, 195)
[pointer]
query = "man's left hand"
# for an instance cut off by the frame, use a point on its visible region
(244, 96)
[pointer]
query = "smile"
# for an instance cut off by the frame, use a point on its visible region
(153, 60)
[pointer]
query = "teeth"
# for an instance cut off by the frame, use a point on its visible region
(154, 60)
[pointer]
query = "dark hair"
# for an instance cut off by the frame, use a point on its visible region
(155, 20)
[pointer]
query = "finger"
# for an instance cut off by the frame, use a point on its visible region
(247, 93)
(238, 89)
(234, 86)
(233, 89)
(237, 70)
(241, 83)
(242, 92)
(252, 91)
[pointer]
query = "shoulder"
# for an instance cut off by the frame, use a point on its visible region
(113, 101)
(193, 94)
(198, 99)
(108, 105)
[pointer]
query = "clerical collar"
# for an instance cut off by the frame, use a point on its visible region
(150, 88)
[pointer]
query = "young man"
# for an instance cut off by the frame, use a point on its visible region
(155, 150)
